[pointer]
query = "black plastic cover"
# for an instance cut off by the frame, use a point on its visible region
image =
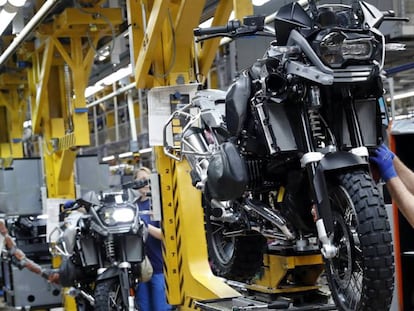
(288, 17)
(236, 104)
(227, 175)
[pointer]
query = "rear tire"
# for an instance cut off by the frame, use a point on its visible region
(361, 276)
(237, 258)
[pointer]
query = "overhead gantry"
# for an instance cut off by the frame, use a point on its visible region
(60, 66)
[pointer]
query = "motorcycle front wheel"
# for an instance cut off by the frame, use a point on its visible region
(361, 276)
(108, 296)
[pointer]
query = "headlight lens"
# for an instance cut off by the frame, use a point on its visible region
(114, 215)
(123, 215)
(335, 49)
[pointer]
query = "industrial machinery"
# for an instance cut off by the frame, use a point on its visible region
(63, 47)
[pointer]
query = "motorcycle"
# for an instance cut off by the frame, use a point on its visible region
(101, 242)
(281, 157)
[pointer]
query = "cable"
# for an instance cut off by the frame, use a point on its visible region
(79, 7)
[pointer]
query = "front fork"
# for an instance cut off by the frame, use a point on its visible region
(127, 294)
(321, 210)
(318, 165)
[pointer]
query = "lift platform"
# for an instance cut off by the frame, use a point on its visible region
(245, 303)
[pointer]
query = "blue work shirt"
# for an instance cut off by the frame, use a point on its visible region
(152, 245)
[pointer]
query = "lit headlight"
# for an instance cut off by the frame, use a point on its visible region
(123, 215)
(335, 49)
(112, 216)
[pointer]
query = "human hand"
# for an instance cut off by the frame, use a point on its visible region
(383, 158)
(51, 275)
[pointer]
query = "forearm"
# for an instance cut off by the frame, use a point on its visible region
(403, 198)
(155, 232)
(405, 174)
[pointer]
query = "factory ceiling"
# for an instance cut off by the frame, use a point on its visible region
(399, 63)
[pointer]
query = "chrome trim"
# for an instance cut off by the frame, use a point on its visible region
(353, 74)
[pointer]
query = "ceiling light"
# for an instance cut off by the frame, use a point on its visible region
(17, 3)
(5, 19)
(108, 158)
(259, 2)
(93, 89)
(206, 23)
(401, 96)
(146, 150)
(125, 154)
(8, 12)
(116, 76)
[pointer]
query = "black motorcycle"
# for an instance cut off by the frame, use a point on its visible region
(281, 158)
(101, 241)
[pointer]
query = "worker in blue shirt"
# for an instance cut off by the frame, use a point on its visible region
(399, 180)
(150, 296)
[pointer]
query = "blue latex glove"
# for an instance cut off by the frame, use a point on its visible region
(383, 158)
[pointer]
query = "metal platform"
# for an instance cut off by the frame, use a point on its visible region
(243, 303)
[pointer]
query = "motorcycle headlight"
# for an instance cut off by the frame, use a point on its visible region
(114, 215)
(123, 215)
(335, 49)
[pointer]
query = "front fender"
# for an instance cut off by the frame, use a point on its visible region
(341, 160)
(333, 162)
(122, 275)
(109, 273)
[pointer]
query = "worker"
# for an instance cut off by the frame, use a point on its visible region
(399, 180)
(150, 295)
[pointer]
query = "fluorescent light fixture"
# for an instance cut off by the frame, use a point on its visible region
(8, 12)
(125, 154)
(146, 150)
(108, 80)
(5, 19)
(116, 76)
(108, 158)
(17, 3)
(401, 96)
(206, 23)
(259, 2)
(93, 89)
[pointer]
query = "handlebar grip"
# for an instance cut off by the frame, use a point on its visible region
(231, 26)
(388, 13)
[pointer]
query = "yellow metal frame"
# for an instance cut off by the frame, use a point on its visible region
(60, 68)
(13, 93)
(57, 80)
(279, 269)
(165, 56)
(188, 275)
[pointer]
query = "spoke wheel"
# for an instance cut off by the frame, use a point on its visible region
(361, 275)
(108, 296)
(235, 257)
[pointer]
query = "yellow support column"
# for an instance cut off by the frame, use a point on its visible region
(166, 57)
(58, 78)
(12, 115)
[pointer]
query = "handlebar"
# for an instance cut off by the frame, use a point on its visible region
(230, 27)
(136, 184)
(251, 25)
